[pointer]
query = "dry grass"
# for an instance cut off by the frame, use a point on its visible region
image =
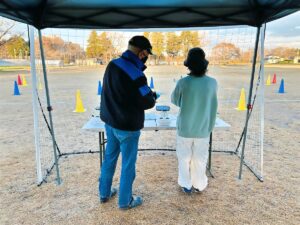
(227, 200)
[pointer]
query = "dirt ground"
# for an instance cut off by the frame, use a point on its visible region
(227, 200)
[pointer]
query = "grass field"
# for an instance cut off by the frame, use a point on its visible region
(227, 200)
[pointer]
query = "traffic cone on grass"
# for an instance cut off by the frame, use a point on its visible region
(40, 84)
(24, 82)
(281, 88)
(151, 83)
(19, 80)
(99, 88)
(79, 106)
(268, 80)
(242, 101)
(274, 79)
(16, 89)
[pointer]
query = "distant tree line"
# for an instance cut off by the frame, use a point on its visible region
(171, 46)
(56, 48)
(168, 47)
(283, 52)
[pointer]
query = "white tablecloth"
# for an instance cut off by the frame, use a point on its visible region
(152, 122)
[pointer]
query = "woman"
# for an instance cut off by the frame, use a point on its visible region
(196, 96)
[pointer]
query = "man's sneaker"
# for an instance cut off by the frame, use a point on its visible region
(187, 191)
(113, 192)
(135, 201)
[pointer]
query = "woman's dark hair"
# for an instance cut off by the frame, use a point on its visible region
(196, 62)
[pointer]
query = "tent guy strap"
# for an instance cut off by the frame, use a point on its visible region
(120, 14)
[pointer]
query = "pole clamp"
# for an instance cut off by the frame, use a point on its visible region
(49, 108)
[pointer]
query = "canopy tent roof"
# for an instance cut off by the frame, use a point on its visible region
(127, 14)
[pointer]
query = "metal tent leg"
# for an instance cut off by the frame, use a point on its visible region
(49, 108)
(35, 106)
(249, 102)
(209, 156)
(262, 99)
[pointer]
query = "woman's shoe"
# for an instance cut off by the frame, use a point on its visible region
(187, 191)
(195, 190)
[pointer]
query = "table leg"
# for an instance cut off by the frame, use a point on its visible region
(103, 145)
(100, 147)
(209, 156)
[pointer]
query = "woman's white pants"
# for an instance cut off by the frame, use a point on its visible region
(192, 154)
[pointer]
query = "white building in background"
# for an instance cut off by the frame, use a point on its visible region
(297, 60)
(25, 62)
(14, 62)
(51, 62)
(272, 59)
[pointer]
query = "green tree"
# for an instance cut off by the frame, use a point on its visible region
(173, 45)
(17, 47)
(189, 40)
(93, 49)
(147, 34)
(157, 41)
(106, 47)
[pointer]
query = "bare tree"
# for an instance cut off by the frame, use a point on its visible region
(224, 53)
(5, 27)
(118, 42)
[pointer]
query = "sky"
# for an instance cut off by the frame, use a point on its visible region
(283, 32)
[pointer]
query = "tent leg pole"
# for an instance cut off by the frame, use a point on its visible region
(49, 108)
(35, 106)
(262, 96)
(249, 101)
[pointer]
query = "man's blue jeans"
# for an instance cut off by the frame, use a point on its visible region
(125, 142)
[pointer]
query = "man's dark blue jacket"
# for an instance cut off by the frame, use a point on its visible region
(125, 93)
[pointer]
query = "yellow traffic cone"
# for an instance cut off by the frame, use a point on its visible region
(24, 82)
(79, 105)
(268, 80)
(40, 84)
(242, 101)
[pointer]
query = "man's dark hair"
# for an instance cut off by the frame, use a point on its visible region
(196, 62)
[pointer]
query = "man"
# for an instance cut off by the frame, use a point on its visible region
(125, 96)
(196, 95)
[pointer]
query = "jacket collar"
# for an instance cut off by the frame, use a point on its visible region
(129, 55)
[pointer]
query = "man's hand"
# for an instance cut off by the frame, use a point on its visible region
(156, 95)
